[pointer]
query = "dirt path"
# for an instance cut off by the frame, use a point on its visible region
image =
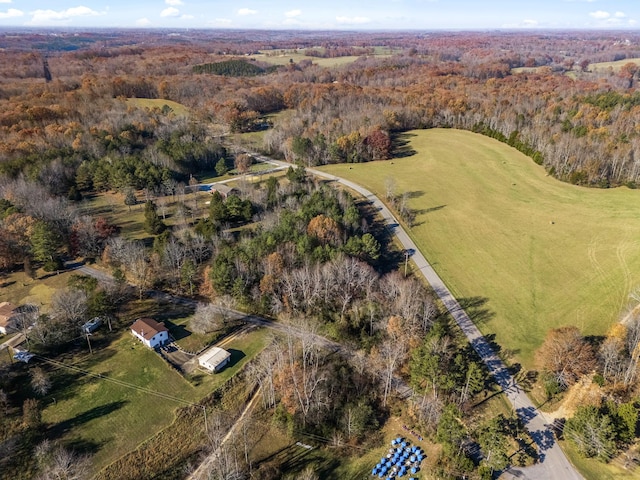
(202, 472)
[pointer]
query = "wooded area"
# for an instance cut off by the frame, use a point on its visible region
(76, 137)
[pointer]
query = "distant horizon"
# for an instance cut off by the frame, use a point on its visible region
(331, 15)
(27, 28)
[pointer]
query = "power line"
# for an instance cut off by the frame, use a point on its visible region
(121, 383)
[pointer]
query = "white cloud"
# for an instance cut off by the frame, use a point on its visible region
(143, 22)
(291, 21)
(170, 12)
(5, 1)
(174, 2)
(187, 17)
(599, 14)
(293, 13)
(353, 20)
(44, 17)
(620, 15)
(247, 11)
(222, 21)
(11, 13)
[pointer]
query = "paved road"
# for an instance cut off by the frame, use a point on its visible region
(554, 464)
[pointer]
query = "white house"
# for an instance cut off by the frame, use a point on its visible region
(214, 359)
(7, 317)
(150, 332)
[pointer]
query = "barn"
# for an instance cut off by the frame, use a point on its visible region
(214, 359)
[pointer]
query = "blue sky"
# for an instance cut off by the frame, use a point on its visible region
(325, 14)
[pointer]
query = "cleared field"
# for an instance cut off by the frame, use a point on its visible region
(529, 252)
(19, 289)
(617, 65)
(284, 58)
(160, 103)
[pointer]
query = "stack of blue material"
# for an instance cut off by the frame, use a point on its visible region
(401, 459)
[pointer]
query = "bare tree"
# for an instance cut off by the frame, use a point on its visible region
(58, 463)
(40, 382)
(223, 462)
(633, 347)
(391, 354)
(206, 318)
(134, 259)
(69, 306)
(390, 189)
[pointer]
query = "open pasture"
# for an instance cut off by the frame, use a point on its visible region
(615, 66)
(284, 57)
(525, 251)
(160, 103)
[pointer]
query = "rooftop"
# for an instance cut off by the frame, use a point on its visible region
(148, 328)
(214, 356)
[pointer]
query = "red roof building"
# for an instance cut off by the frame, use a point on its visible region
(150, 332)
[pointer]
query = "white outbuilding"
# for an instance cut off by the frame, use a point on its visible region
(214, 359)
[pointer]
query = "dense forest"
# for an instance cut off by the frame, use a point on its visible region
(537, 92)
(366, 341)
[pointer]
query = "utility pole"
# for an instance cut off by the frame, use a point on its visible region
(89, 342)
(406, 261)
(206, 427)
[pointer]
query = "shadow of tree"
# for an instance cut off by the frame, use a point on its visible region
(178, 332)
(59, 429)
(400, 145)
(476, 309)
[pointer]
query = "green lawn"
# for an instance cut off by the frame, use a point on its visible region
(537, 253)
(112, 419)
(19, 289)
(594, 469)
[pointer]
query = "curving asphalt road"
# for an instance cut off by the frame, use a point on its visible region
(553, 465)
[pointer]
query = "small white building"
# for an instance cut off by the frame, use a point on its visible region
(150, 332)
(214, 359)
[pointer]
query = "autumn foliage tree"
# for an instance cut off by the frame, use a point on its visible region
(565, 356)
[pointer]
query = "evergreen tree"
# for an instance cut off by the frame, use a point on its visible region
(45, 243)
(221, 167)
(130, 198)
(152, 222)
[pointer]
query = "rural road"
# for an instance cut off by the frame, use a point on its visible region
(553, 465)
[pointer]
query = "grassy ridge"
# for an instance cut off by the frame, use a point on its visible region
(537, 253)
(160, 103)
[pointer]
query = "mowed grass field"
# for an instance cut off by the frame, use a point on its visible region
(160, 103)
(532, 253)
(278, 58)
(617, 65)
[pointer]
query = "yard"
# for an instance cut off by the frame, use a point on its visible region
(137, 396)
